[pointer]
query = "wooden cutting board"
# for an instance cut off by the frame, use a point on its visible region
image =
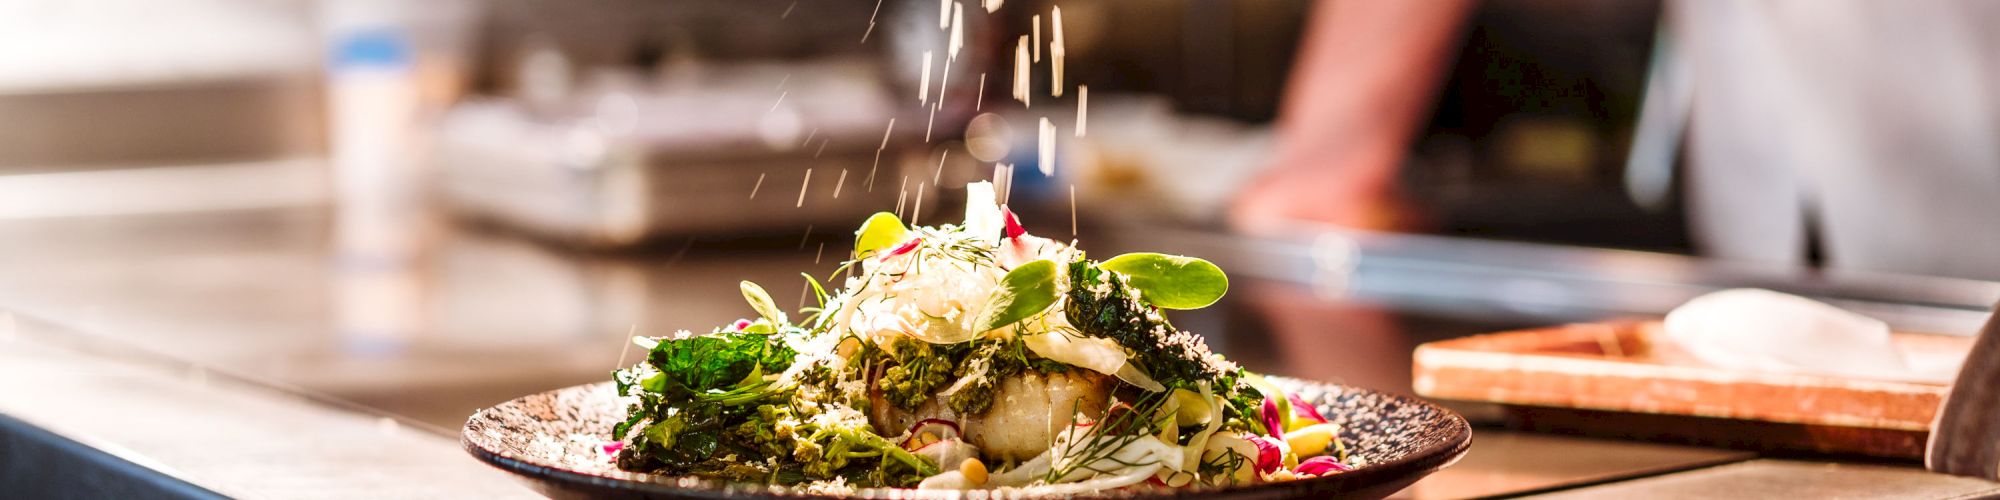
(1619, 379)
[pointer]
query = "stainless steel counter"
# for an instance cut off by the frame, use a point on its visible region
(250, 327)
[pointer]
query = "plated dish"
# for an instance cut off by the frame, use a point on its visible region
(970, 358)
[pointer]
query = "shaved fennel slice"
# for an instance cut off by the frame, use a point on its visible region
(1025, 474)
(1096, 354)
(1133, 475)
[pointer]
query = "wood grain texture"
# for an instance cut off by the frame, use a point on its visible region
(1601, 371)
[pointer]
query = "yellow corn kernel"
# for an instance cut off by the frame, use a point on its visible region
(974, 471)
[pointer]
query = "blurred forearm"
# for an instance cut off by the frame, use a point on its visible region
(1364, 79)
(1366, 74)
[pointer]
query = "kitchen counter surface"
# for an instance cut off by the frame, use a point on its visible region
(345, 370)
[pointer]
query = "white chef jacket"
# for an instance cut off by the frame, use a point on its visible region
(1878, 120)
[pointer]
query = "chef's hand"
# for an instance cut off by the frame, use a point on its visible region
(1364, 81)
(1325, 194)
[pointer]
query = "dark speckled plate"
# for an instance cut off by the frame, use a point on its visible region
(552, 439)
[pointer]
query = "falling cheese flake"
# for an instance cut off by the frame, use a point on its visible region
(633, 332)
(1048, 148)
(1082, 108)
(1056, 53)
(993, 5)
(1072, 210)
(754, 187)
(923, 89)
(774, 105)
(878, 155)
(1021, 70)
(932, 123)
(1009, 193)
(802, 189)
(976, 103)
(917, 207)
(957, 30)
(944, 78)
(840, 183)
(938, 178)
(902, 194)
(871, 21)
(788, 10)
(944, 14)
(1038, 38)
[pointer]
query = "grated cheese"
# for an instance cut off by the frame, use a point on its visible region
(938, 178)
(871, 21)
(1038, 37)
(1056, 53)
(1082, 108)
(1048, 148)
(957, 30)
(802, 188)
(923, 89)
(917, 209)
(1021, 69)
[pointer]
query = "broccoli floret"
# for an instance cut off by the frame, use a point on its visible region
(835, 442)
(990, 361)
(988, 368)
(918, 373)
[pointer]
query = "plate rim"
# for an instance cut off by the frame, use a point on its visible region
(1443, 454)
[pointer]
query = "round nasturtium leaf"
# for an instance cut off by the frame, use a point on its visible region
(880, 231)
(1024, 292)
(1171, 281)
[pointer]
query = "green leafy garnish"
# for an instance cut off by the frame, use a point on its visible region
(717, 364)
(881, 231)
(1024, 292)
(1171, 281)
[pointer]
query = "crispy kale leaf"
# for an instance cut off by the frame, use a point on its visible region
(709, 407)
(697, 388)
(1101, 304)
(718, 364)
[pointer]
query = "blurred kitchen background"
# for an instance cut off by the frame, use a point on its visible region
(369, 198)
(629, 125)
(425, 208)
